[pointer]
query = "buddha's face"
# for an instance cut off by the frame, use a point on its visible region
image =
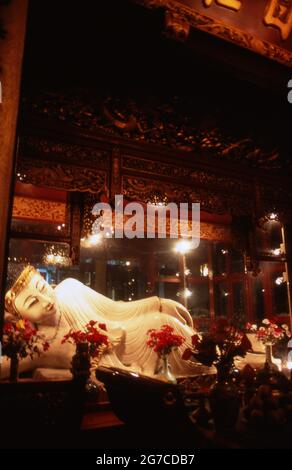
(37, 301)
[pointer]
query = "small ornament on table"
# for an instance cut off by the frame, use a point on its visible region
(163, 342)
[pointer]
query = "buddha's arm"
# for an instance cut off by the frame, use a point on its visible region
(177, 310)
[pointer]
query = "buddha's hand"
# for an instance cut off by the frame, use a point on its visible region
(177, 310)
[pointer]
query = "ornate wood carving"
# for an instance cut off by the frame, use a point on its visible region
(39, 209)
(61, 176)
(154, 167)
(198, 178)
(39, 147)
(176, 26)
(173, 124)
(142, 189)
(222, 30)
(116, 172)
(35, 230)
(208, 231)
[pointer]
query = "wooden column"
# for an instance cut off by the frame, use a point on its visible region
(13, 18)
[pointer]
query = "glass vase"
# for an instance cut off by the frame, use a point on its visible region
(164, 373)
(269, 364)
(14, 368)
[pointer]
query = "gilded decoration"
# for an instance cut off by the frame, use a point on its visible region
(154, 167)
(176, 26)
(228, 32)
(61, 176)
(208, 231)
(140, 189)
(39, 209)
(66, 152)
(201, 178)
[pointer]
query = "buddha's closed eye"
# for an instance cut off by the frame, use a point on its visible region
(33, 302)
(40, 285)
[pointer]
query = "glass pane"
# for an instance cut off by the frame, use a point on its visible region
(239, 304)
(168, 264)
(168, 290)
(199, 301)
(279, 294)
(197, 260)
(258, 299)
(220, 254)
(51, 259)
(274, 234)
(221, 295)
(270, 238)
(236, 261)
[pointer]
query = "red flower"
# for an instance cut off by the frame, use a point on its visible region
(23, 339)
(270, 332)
(91, 335)
(164, 340)
(220, 345)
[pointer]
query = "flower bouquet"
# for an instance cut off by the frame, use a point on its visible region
(270, 334)
(163, 342)
(90, 343)
(21, 339)
(219, 347)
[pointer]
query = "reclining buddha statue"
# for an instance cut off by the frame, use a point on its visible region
(71, 305)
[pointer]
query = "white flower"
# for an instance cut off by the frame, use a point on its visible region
(266, 321)
(254, 327)
(285, 327)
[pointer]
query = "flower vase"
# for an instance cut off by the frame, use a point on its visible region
(81, 362)
(164, 373)
(269, 364)
(14, 366)
(224, 401)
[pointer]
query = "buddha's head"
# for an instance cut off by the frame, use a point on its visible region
(32, 297)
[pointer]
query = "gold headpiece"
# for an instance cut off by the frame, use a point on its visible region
(21, 282)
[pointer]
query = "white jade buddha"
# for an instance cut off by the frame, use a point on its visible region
(71, 305)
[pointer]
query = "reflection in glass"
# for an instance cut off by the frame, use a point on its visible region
(220, 254)
(279, 294)
(197, 258)
(168, 264)
(236, 261)
(168, 290)
(199, 302)
(239, 304)
(258, 299)
(51, 259)
(221, 295)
